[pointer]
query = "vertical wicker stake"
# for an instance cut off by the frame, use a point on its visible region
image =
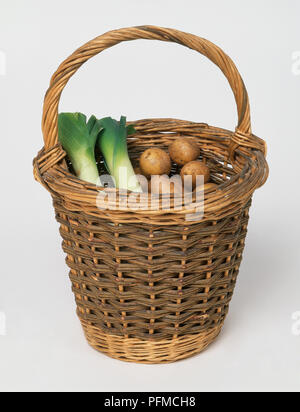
(151, 283)
(152, 286)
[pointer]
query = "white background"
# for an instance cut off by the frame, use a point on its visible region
(44, 349)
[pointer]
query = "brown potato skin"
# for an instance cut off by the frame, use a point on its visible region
(155, 161)
(195, 168)
(183, 151)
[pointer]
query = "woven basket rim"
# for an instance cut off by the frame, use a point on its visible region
(59, 181)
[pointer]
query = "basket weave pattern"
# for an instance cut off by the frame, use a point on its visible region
(151, 286)
(152, 282)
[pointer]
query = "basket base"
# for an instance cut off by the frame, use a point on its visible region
(147, 351)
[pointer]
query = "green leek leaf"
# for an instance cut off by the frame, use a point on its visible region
(113, 145)
(78, 137)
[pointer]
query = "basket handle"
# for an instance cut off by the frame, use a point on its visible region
(109, 39)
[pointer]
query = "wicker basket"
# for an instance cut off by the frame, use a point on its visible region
(151, 286)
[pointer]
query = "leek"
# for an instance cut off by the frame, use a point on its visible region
(113, 145)
(78, 138)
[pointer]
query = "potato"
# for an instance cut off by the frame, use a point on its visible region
(183, 150)
(194, 169)
(155, 161)
(163, 185)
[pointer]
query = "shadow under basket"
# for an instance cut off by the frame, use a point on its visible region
(152, 286)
